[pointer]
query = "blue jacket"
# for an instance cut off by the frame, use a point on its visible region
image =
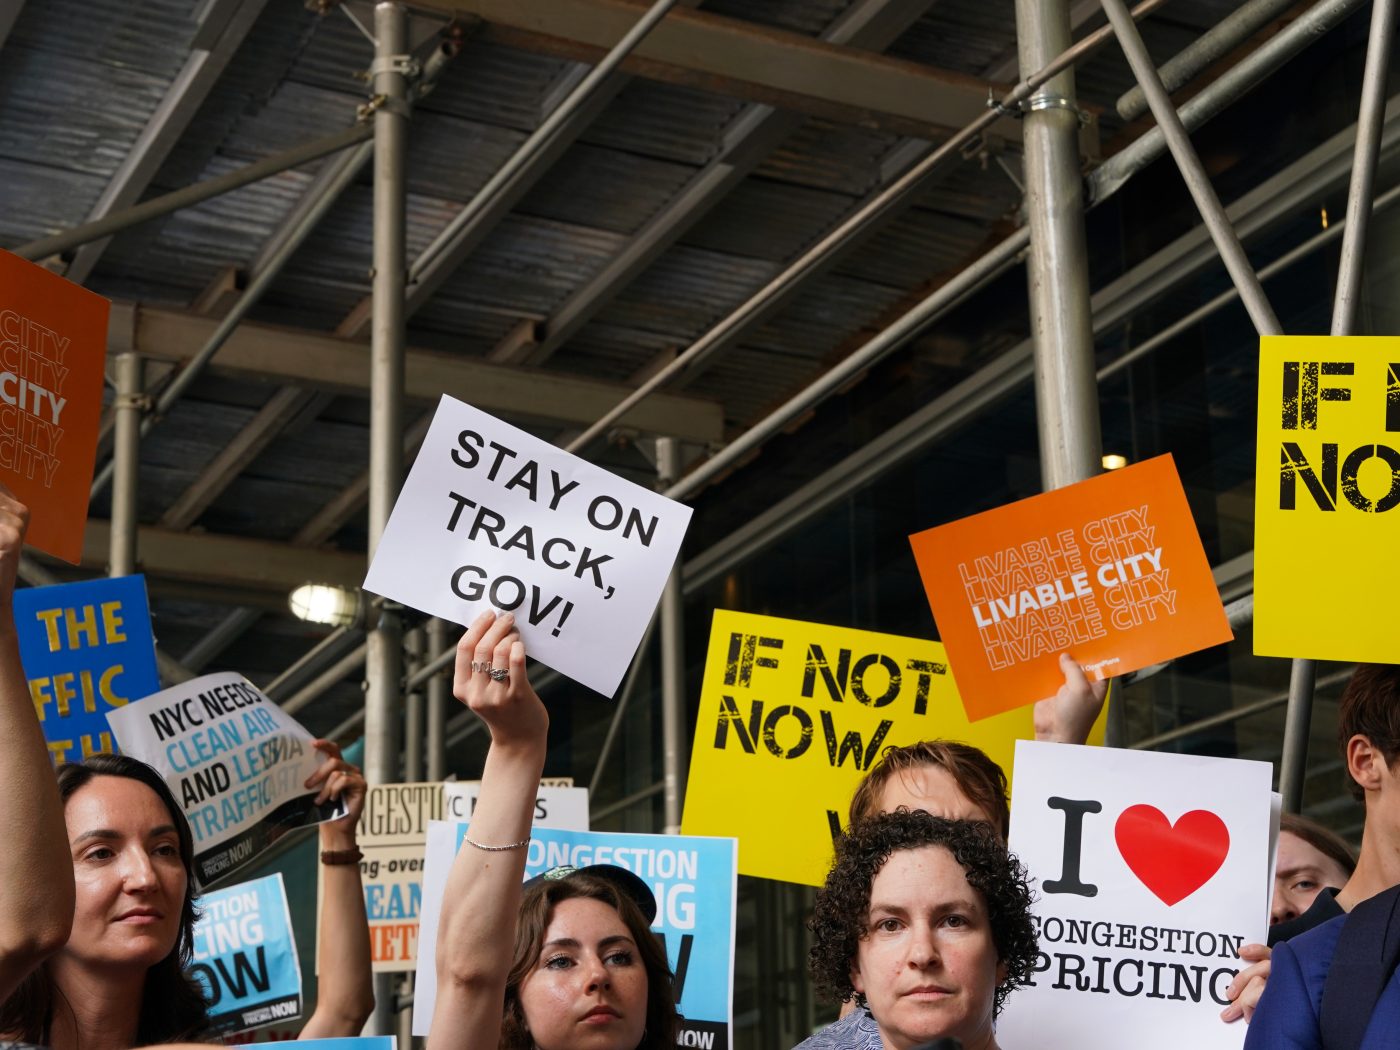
(1287, 1017)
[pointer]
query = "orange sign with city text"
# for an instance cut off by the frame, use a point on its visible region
(1110, 570)
(53, 344)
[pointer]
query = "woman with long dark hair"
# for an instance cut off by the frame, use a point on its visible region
(585, 972)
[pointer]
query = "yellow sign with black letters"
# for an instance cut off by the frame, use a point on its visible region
(793, 714)
(1327, 489)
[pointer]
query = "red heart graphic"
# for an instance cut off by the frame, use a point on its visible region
(1173, 861)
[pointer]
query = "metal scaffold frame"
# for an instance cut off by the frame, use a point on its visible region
(1059, 357)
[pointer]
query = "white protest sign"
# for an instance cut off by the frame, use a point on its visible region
(694, 880)
(555, 807)
(236, 762)
(492, 517)
(1150, 871)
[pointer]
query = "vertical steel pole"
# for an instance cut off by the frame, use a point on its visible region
(1297, 723)
(1067, 399)
(668, 467)
(413, 708)
(438, 687)
(384, 657)
(1066, 389)
(126, 458)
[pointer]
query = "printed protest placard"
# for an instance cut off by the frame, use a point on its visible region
(1150, 872)
(695, 884)
(53, 345)
(87, 649)
(555, 807)
(493, 517)
(793, 714)
(1327, 483)
(236, 761)
(372, 1042)
(246, 957)
(1110, 570)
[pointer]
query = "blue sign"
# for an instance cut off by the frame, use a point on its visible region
(246, 957)
(695, 884)
(87, 649)
(373, 1042)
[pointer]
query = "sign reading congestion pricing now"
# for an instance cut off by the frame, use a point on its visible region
(1327, 485)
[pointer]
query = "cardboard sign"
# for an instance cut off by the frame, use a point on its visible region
(1151, 871)
(1327, 485)
(492, 517)
(236, 761)
(1110, 570)
(246, 957)
(86, 649)
(53, 345)
(793, 714)
(695, 883)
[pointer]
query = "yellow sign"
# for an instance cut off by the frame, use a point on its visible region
(792, 715)
(1327, 485)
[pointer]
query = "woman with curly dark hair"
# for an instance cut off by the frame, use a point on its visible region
(926, 923)
(585, 972)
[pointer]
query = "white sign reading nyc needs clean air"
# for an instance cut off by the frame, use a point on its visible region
(494, 518)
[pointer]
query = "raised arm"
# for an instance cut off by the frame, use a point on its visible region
(476, 933)
(1069, 715)
(36, 868)
(345, 986)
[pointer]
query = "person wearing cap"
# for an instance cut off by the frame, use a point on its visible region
(568, 961)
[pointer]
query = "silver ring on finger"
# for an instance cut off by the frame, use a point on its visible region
(499, 674)
(481, 667)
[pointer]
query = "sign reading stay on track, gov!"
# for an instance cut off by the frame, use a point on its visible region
(87, 650)
(53, 346)
(793, 715)
(1327, 498)
(491, 517)
(1110, 570)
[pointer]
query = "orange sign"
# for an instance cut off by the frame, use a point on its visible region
(53, 343)
(1110, 570)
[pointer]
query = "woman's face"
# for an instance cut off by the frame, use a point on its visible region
(588, 989)
(128, 874)
(1302, 871)
(927, 964)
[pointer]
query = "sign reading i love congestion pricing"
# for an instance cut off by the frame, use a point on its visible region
(1151, 870)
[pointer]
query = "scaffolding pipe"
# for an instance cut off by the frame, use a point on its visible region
(307, 662)
(250, 297)
(437, 688)
(539, 140)
(414, 712)
(191, 195)
(327, 679)
(1309, 27)
(126, 461)
(1062, 333)
(1227, 243)
(785, 285)
(1363, 170)
(673, 706)
(1215, 43)
(1196, 316)
(1303, 675)
(624, 698)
